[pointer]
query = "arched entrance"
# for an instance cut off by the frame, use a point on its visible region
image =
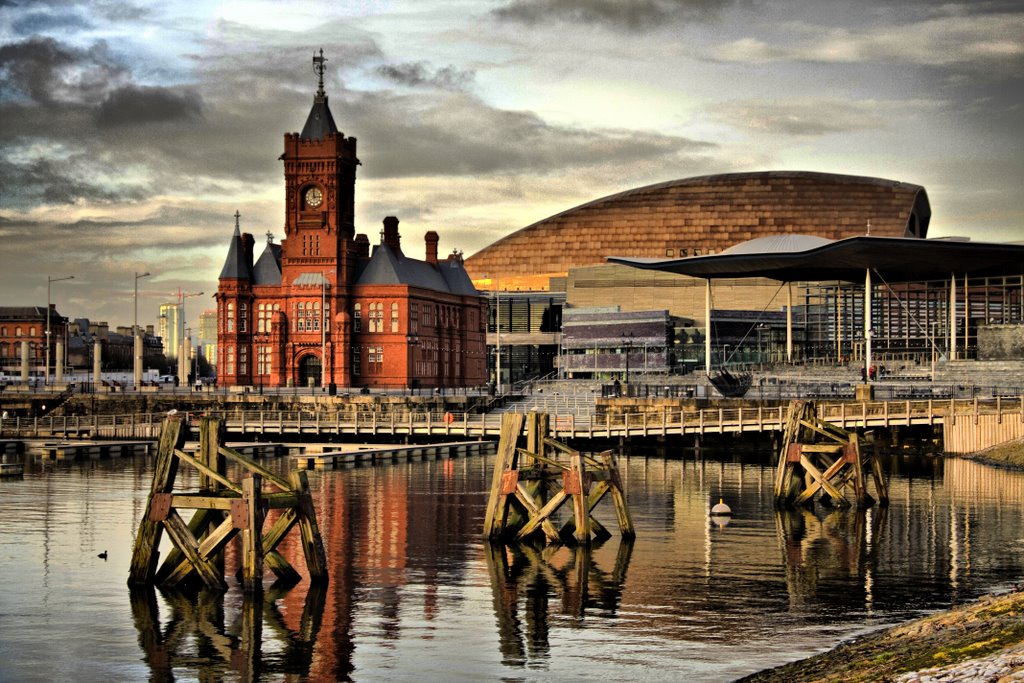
(310, 371)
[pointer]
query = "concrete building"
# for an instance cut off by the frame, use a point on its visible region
(320, 309)
(172, 327)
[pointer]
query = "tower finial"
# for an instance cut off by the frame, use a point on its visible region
(270, 237)
(237, 216)
(318, 69)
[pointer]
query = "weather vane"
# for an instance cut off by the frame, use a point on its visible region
(318, 69)
(237, 216)
(270, 237)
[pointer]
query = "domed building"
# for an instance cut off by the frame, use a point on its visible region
(561, 262)
(702, 215)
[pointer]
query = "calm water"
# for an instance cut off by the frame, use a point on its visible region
(415, 595)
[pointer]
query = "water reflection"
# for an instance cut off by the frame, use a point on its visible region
(199, 637)
(532, 575)
(829, 555)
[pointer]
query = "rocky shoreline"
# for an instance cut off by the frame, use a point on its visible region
(982, 641)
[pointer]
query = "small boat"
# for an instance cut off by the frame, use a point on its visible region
(730, 385)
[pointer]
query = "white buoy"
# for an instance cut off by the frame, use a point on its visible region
(721, 510)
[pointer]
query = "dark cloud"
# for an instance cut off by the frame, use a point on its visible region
(36, 22)
(457, 134)
(52, 181)
(45, 71)
(633, 15)
(134, 105)
(417, 74)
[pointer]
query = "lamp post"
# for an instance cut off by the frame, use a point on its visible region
(183, 363)
(136, 342)
(50, 281)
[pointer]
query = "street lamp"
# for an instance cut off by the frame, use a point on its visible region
(136, 342)
(183, 363)
(50, 281)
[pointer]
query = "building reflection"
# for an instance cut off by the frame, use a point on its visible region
(525, 578)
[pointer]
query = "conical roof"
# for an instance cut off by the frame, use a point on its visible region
(319, 122)
(236, 267)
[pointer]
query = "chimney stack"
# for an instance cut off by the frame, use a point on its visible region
(391, 237)
(431, 239)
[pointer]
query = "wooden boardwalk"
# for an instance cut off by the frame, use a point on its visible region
(1006, 414)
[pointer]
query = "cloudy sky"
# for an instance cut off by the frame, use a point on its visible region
(131, 132)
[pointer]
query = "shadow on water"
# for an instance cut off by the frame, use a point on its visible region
(524, 579)
(205, 633)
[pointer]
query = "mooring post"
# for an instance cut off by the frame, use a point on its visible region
(252, 536)
(145, 553)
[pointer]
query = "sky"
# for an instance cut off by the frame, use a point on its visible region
(131, 132)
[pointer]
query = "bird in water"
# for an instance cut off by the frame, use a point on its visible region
(103, 555)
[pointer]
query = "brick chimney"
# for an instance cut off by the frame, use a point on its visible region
(391, 236)
(362, 246)
(431, 239)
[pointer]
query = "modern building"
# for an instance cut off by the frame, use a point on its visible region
(172, 327)
(699, 216)
(208, 336)
(321, 309)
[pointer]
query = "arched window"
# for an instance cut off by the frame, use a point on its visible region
(314, 314)
(243, 317)
(394, 317)
(357, 318)
(231, 322)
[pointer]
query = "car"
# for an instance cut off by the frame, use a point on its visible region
(167, 379)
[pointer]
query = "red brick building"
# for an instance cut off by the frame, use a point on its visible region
(321, 308)
(28, 324)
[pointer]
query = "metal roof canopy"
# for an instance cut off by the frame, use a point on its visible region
(806, 258)
(896, 259)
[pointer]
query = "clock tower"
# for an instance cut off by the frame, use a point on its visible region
(320, 180)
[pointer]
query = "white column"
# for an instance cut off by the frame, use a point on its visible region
(952, 317)
(789, 322)
(97, 363)
(967, 314)
(137, 374)
(867, 324)
(707, 327)
(24, 362)
(59, 363)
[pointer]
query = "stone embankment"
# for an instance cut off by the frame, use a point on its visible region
(1009, 454)
(983, 641)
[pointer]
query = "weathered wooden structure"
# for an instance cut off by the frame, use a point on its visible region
(531, 484)
(819, 457)
(222, 510)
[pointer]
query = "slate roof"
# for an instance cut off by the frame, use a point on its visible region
(388, 268)
(319, 122)
(235, 265)
(267, 270)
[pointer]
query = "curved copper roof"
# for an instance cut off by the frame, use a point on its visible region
(701, 215)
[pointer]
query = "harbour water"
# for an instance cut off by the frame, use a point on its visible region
(415, 594)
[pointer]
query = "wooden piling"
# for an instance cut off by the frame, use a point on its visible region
(223, 509)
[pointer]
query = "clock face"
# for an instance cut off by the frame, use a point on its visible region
(314, 197)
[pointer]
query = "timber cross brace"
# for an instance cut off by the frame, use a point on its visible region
(530, 485)
(222, 509)
(818, 457)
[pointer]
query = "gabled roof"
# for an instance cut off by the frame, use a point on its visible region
(896, 259)
(267, 270)
(319, 123)
(388, 268)
(235, 265)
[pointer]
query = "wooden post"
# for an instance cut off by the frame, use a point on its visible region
(312, 543)
(147, 539)
(252, 541)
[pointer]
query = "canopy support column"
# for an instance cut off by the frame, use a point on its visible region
(952, 317)
(867, 324)
(707, 326)
(789, 322)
